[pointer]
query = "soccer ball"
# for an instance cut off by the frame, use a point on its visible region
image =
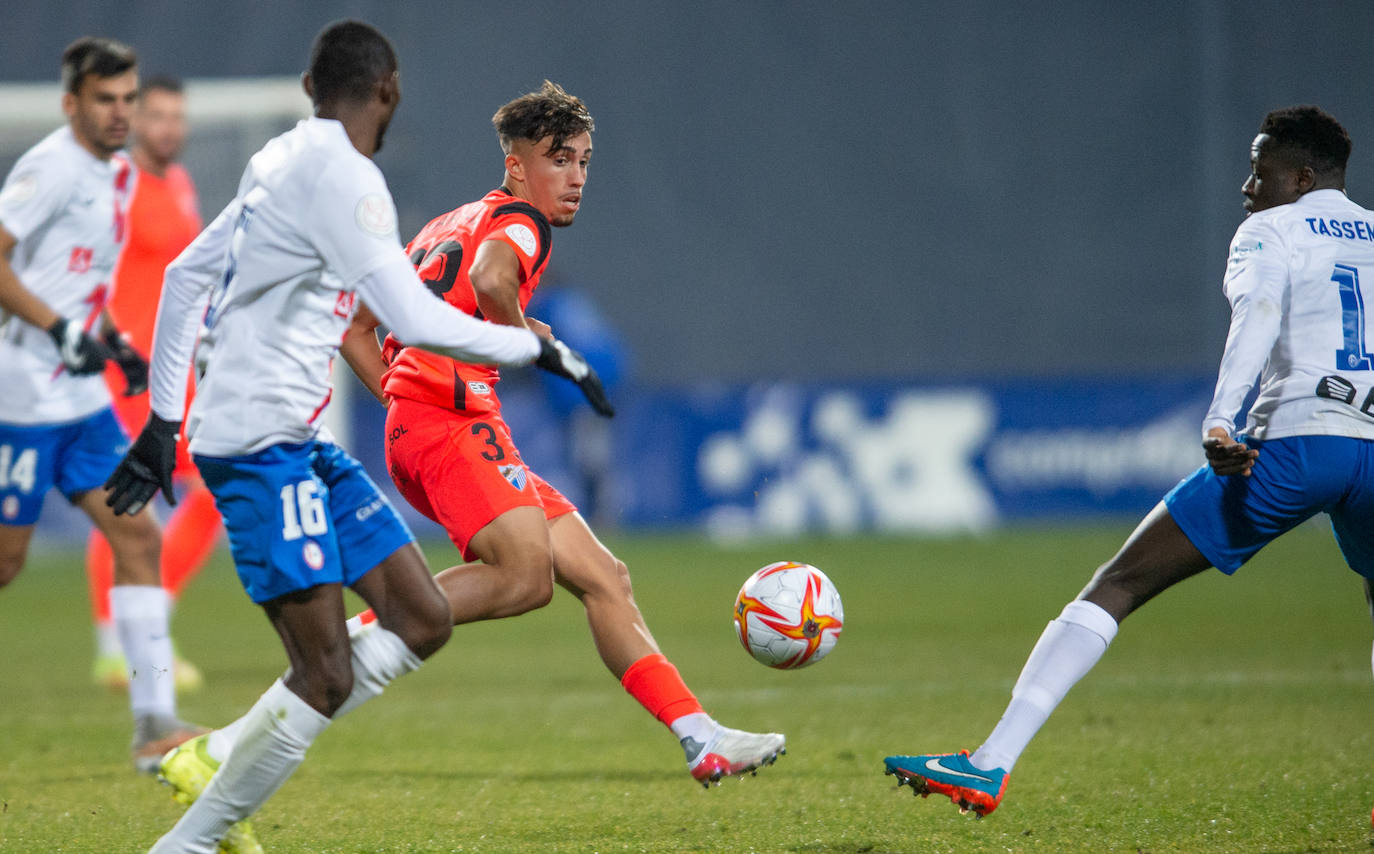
(788, 615)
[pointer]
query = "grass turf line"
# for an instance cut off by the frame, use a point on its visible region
(1228, 716)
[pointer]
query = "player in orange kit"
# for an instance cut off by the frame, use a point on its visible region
(164, 217)
(451, 455)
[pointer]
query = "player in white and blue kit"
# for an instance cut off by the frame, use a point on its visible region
(62, 223)
(276, 277)
(1299, 270)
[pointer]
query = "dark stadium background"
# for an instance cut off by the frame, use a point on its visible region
(888, 192)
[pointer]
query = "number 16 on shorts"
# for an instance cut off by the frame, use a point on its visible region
(302, 511)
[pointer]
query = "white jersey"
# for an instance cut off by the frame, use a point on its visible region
(67, 210)
(313, 228)
(1298, 279)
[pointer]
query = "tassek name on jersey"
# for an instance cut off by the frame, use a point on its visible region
(1348, 229)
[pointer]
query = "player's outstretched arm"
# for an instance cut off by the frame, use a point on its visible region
(402, 303)
(558, 358)
(186, 287)
(362, 352)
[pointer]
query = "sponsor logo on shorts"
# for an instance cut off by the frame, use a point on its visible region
(514, 475)
(10, 508)
(313, 555)
(478, 387)
(363, 513)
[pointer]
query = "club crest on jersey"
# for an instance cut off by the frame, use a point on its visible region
(515, 475)
(375, 215)
(20, 190)
(313, 555)
(521, 235)
(478, 387)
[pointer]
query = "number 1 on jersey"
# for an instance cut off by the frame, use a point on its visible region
(1353, 356)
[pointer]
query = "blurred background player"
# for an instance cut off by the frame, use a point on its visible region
(272, 284)
(63, 218)
(1298, 324)
(163, 217)
(450, 452)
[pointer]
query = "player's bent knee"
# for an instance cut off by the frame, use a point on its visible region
(534, 590)
(324, 688)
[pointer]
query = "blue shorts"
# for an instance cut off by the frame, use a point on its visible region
(75, 456)
(1229, 519)
(301, 515)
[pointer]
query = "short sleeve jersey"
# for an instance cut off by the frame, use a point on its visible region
(312, 217)
(442, 253)
(1304, 273)
(67, 209)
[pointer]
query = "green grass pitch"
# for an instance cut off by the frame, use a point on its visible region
(1231, 715)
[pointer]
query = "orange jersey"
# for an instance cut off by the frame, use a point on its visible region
(442, 253)
(164, 217)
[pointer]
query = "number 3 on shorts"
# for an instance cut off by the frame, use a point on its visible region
(302, 511)
(484, 431)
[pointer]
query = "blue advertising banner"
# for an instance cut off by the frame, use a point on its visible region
(792, 458)
(785, 459)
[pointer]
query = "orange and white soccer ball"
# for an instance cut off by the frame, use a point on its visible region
(788, 615)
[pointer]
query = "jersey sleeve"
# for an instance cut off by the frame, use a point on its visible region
(352, 221)
(1255, 283)
(186, 289)
(36, 190)
(521, 227)
(395, 294)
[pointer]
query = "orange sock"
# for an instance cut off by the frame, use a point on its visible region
(656, 684)
(365, 617)
(189, 539)
(99, 575)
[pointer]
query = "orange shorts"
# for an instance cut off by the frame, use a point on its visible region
(462, 470)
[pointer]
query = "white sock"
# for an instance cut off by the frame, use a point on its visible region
(379, 656)
(1066, 651)
(697, 726)
(272, 743)
(107, 638)
(140, 616)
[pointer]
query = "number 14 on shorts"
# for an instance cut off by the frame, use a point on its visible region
(18, 470)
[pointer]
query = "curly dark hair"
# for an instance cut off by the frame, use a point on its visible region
(98, 56)
(549, 112)
(1309, 136)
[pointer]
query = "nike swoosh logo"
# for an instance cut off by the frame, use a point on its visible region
(935, 765)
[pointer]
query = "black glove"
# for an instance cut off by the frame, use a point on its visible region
(558, 358)
(81, 354)
(146, 468)
(130, 362)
